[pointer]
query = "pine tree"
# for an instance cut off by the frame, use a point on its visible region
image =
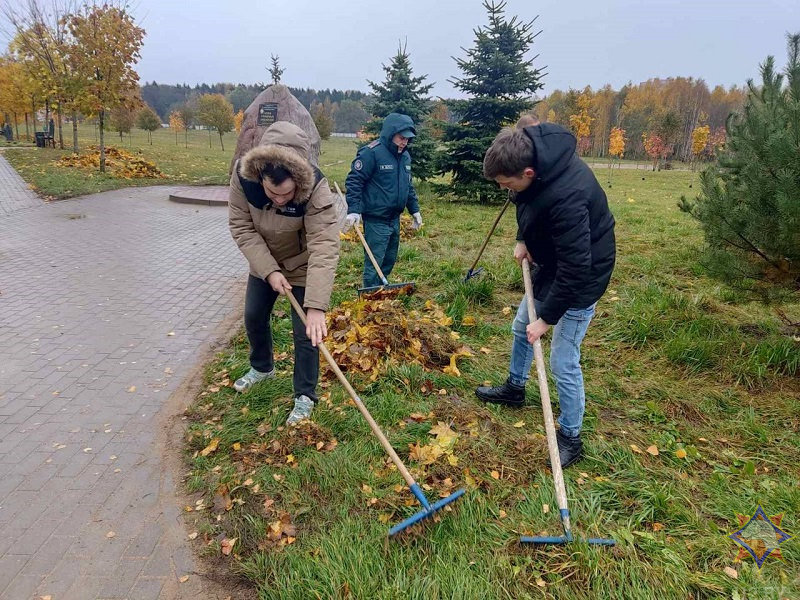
(403, 93)
(275, 71)
(499, 82)
(749, 206)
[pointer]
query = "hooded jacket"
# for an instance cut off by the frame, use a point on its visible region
(300, 239)
(379, 183)
(564, 220)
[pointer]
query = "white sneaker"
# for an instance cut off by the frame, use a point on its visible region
(303, 405)
(251, 378)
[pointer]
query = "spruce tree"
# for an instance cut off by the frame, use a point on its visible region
(403, 93)
(749, 206)
(499, 82)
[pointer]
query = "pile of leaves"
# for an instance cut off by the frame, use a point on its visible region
(407, 230)
(121, 163)
(378, 328)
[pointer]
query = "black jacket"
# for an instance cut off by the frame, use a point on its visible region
(564, 220)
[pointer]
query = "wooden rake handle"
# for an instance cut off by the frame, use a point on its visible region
(359, 404)
(364, 243)
(491, 231)
(544, 392)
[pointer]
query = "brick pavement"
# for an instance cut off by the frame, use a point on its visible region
(91, 291)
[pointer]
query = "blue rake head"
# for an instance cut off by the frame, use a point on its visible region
(567, 537)
(427, 509)
(473, 273)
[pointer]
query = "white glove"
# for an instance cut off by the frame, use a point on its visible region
(352, 219)
(417, 220)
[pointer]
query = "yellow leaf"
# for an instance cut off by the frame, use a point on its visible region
(507, 310)
(453, 460)
(540, 582)
(469, 320)
(193, 536)
(210, 448)
(732, 573)
(545, 508)
(184, 579)
(519, 424)
(495, 475)
(237, 446)
(658, 526)
(452, 369)
(636, 449)
(110, 534)
(132, 389)
(680, 453)
(653, 450)
(486, 351)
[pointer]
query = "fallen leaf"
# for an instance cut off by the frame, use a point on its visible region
(237, 446)
(503, 514)
(227, 546)
(184, 579)
(193, 536)
(495, 475)
(680, 453)
(132, 389)
(110, 534)
(540, 582)
(210, 448)
(469, 320)
(545, 508)
(519, 424)
(658, 526)
(507, 310)
(732, 573)
(653, 450)
(636, 449)
(87, 449)
(486, 351)
(170, 334)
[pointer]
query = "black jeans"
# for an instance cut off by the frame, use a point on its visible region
(258, 303)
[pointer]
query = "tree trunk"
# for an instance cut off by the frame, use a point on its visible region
(16, 125)
(102, 147)
(27, 128)
(75, 131)
(220, 142)
(209, 138)
(186, 137)
(60, 128)
(33, 113)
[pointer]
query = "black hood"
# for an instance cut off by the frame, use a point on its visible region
(553, 150)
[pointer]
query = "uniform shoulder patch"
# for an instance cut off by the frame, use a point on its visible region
(373, 143)
(358, 165)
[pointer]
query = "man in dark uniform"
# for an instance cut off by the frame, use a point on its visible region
(379, 188)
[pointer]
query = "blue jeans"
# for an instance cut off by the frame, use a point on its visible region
(565, 361)
(383, 238)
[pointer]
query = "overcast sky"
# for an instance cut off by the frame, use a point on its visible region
(342, 43)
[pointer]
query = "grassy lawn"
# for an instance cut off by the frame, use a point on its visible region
(671, 360)
(197, 164)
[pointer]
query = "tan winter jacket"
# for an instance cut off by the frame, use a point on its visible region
(300, 239)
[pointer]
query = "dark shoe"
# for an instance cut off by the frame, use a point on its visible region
(507, 394)
(570, 449)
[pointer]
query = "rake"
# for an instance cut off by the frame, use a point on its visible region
(428, 509)
(550, 430)
(473, 272)
(385, 285)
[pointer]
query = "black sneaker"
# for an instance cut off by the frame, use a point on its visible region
(570, 449)
(507, 394)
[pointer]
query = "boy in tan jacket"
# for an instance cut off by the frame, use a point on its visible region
(283, 217)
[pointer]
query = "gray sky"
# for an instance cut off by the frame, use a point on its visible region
(342, 43)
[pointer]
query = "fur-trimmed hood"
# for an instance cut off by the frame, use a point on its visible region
(283, 144)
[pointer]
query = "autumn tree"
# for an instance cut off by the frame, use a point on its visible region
(122, 117)
(499, 81)
(322, 113)
(581, 123)
(616, 147)
(401, 92)
(176, 124)
(13, 92)
(700, 137)
(187, 112)
(149, 121)
(655, 148)
(106, 46)
(275, 70)
(216, 113)
(749, 206)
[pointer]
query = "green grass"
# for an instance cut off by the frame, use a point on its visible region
(671, 359)
(190, 161)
